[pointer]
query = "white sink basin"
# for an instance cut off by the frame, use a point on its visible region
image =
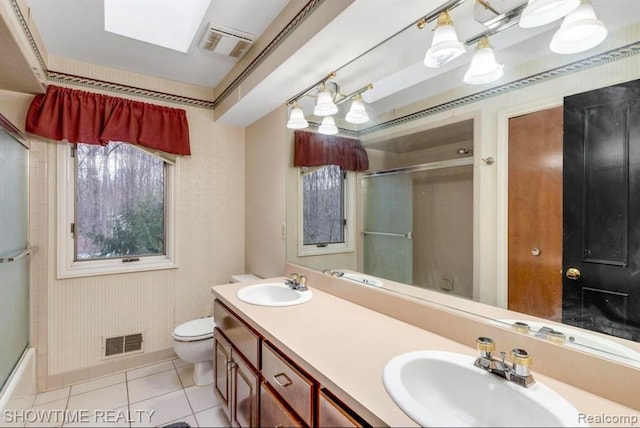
(445, 389)
(363, 279)
(579, 338)
(273, 294)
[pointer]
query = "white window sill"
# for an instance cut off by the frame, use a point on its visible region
(312, 250)
(112, 267)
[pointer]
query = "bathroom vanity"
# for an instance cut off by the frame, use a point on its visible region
(320, 363)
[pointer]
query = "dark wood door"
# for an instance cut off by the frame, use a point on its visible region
(535, 214)
(221, 370)
(601, 243)
(244, 391)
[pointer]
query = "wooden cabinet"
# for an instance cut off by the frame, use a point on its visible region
(296, 388)
(273, 413)
(259, 385)
(235, 383)
(331, 413)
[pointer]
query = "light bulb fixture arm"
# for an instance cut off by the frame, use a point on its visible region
(354, 93)
(499, 23)
(433, 15)
(311, 88)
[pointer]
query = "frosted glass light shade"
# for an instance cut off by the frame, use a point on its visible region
(328, 126)
(296, 119)
(580, 31)
(357, 113)
(325, 105)
(444, 48)
(541, 12)
(484, 68)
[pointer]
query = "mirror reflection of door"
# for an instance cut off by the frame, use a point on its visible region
(535, 214)
(601, 288)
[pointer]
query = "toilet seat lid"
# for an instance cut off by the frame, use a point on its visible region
(199, 329)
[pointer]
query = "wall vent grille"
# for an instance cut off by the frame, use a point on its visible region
(115, 346)
(226, 41)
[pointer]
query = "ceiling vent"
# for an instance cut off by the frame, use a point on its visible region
(226, 41)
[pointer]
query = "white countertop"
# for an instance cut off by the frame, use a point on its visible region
(346, 346)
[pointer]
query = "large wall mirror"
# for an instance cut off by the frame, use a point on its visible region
(463, 196)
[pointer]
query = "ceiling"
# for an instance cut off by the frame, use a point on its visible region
(74, 29)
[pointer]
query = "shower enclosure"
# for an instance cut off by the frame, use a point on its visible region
(14, 248)
(418, 225)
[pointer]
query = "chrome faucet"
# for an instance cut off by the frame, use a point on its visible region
(519, 371)
(297, 283)
(334, 273)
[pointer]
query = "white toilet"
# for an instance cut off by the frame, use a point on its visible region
(193, 342)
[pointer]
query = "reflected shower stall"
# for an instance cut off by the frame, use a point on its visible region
(418, 225)
(14, 251)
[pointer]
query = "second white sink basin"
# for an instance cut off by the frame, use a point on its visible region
(437, 388)
(363, 279)
(273, 294)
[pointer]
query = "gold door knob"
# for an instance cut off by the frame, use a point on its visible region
(572, 274)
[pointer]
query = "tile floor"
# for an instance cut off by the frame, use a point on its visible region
(151, 396)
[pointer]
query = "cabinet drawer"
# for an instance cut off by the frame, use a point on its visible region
(245, 340)
(333, 414)
(295, 388)
(273, 413)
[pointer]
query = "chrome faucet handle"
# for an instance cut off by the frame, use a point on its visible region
(485, 346)
(521, 370)
(302, 286)
(293, 282)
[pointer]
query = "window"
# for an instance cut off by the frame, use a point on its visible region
(326, 213)
(117, 211)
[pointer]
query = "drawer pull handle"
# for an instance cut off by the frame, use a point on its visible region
(284, 384)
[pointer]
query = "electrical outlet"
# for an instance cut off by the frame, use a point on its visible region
(446, 284)
(284, 230)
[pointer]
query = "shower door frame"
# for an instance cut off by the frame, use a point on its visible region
(20, 138)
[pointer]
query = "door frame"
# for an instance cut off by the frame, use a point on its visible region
(502, 188)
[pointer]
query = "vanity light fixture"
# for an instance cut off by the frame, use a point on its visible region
(357, 113)
(484, 68)
(445, 46)
(296, 118)
(328, 126)
(580, 30)
(327, 105)
(541, 12)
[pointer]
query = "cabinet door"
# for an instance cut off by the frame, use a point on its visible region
(333, 414)
(221, 370)
(273, 413)
(244, 401)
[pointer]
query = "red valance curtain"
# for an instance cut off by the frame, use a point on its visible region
(312, 149)
(86, 117)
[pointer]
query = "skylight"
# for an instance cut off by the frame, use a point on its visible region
(168, 23)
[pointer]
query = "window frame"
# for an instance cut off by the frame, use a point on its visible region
(349, 204)
(67, 266)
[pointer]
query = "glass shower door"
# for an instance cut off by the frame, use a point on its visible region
(388, 224)
(14, 250)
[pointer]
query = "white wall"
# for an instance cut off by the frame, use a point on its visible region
(266, 167)
(210, 245)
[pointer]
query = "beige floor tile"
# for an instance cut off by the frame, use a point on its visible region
(153, 385)
(180, 363)
(213, 417)
(201, 397)
(149, 370)
(50, 414)
(54, 395)
(186, 375)
(162, 409)
(191, 420)
(110, 397)
(99, 383)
